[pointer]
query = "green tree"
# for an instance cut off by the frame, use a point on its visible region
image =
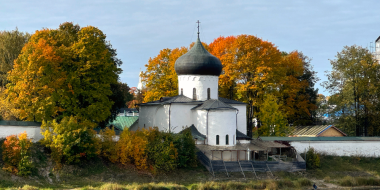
(11, 43)
(354, 83)
(69, 71)
(273, 120)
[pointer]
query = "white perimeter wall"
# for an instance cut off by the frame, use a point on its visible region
(154, 116)
(222, 123)
(200, 83)
(34, 132)
(341, 148)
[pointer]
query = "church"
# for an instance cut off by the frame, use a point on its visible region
(213, 120)
(218, 125)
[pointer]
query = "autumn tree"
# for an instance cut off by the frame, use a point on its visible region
(69, 71)
(120, 96)
(160, 78)
(354, 85)
(273, 121)
(249, 64)
(296, 89)
(11, 43)
(222, 48)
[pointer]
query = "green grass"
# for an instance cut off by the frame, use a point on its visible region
(101, 174)
(338, 167)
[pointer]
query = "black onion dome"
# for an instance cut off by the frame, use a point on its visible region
(198, 61)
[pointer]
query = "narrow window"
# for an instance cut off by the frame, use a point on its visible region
(181, 91)
(208, 93)
(226, 139)
(194, 94)
(217, 139)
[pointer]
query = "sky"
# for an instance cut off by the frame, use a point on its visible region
(140, 29)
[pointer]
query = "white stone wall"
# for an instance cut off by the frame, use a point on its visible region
(181, 116)
(241, 117)
(154, 116)
(200, 119)
(222, 123)
(341, 148)
(200, 83)
(34, 132)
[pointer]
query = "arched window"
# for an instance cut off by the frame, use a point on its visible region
(181, 91)
(226, 139)
(194, 94)
(217, 139)
(208, 93)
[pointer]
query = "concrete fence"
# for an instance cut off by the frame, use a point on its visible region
(33, 129)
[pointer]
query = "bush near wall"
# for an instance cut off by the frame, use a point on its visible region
(149, 149)
(71, 141)
(312, 159)
(16, 154)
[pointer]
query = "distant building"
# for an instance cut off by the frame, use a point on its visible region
(317, 131)
(377, 49)
(141, 83)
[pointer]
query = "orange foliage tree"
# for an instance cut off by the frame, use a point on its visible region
(253, 68)
(160, 77)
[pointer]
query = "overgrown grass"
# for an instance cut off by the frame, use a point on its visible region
(337, 167)
(101, 174)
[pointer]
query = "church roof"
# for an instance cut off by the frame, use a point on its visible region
(195, 133)
(186, 100)
(229, 101)
(198, 61)
(213, 104)
(173, 99)
(242, 136)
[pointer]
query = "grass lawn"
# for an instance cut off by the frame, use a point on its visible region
(100, 174)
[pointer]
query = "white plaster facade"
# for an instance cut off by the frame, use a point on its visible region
(33, 132)
(186, 84)
(154, 116)
(221, 123)
(340, 148)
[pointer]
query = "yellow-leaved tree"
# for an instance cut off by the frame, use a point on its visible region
(62, 72)
(160, 78)
(273, 120)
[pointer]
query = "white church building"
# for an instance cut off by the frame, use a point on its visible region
(214, 120)
(218, 125)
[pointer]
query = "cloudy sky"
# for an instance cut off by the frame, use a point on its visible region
(140, 29)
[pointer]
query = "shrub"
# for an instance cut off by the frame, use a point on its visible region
(70, 141)
(16, 151)
(158, 151)
(185, 146)
(107, 145)
(162, 153)
(312, 159)
(131, 148)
